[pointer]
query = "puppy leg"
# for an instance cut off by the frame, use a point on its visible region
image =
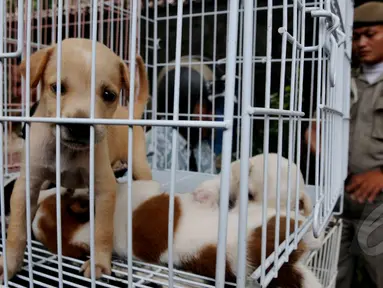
(308, 238)
(305, 204)
(104, 205)
(105, 201)
(17, 229)
(207, 192)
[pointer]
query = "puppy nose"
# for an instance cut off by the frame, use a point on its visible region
(79, 131)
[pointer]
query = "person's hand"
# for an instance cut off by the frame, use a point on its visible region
(366, 185)
(313, 140)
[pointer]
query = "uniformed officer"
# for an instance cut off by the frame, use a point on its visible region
(362, 235)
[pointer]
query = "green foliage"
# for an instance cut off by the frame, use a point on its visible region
(274, 103)
(273, 124)
(274, 99)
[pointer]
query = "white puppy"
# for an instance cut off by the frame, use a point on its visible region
(208, 191)
(195, 233)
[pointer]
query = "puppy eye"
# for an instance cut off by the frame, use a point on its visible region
(109, 96)
(54, 88)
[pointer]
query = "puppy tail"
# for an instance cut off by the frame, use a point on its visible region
(143, 96)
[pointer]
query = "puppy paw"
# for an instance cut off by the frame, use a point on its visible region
(100, 269)
(12, 265)
(206, 196)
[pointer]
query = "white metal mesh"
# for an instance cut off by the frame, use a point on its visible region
(280, 61)
(324, 261)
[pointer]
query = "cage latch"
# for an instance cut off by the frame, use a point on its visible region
(330, 44)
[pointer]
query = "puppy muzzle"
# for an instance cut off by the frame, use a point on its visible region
(77, 136)
(78, 132)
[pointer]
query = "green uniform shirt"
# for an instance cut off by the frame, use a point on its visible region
(366, 124)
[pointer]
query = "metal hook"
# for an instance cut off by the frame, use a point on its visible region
(334, 19)
(330, 44)
(342, 37)
(316, 220)
(333, 61)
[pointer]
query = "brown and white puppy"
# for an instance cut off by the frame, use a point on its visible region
(208, 191)
(110, 141)
(195, 233)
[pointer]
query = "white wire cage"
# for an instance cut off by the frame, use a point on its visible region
(280, 61)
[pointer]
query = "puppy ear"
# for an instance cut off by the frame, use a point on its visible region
(39, 61)
(139, 106)
(125, 76)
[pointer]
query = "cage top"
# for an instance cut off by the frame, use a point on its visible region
(85, 5)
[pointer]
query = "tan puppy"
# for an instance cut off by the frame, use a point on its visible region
(110, 141)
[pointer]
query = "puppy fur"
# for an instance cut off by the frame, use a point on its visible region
(195, 233)
(111, 145)
(208, 191)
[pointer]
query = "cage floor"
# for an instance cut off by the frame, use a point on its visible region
(46, 273)
(45, 264)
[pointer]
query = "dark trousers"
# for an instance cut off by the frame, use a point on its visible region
(362, 239)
